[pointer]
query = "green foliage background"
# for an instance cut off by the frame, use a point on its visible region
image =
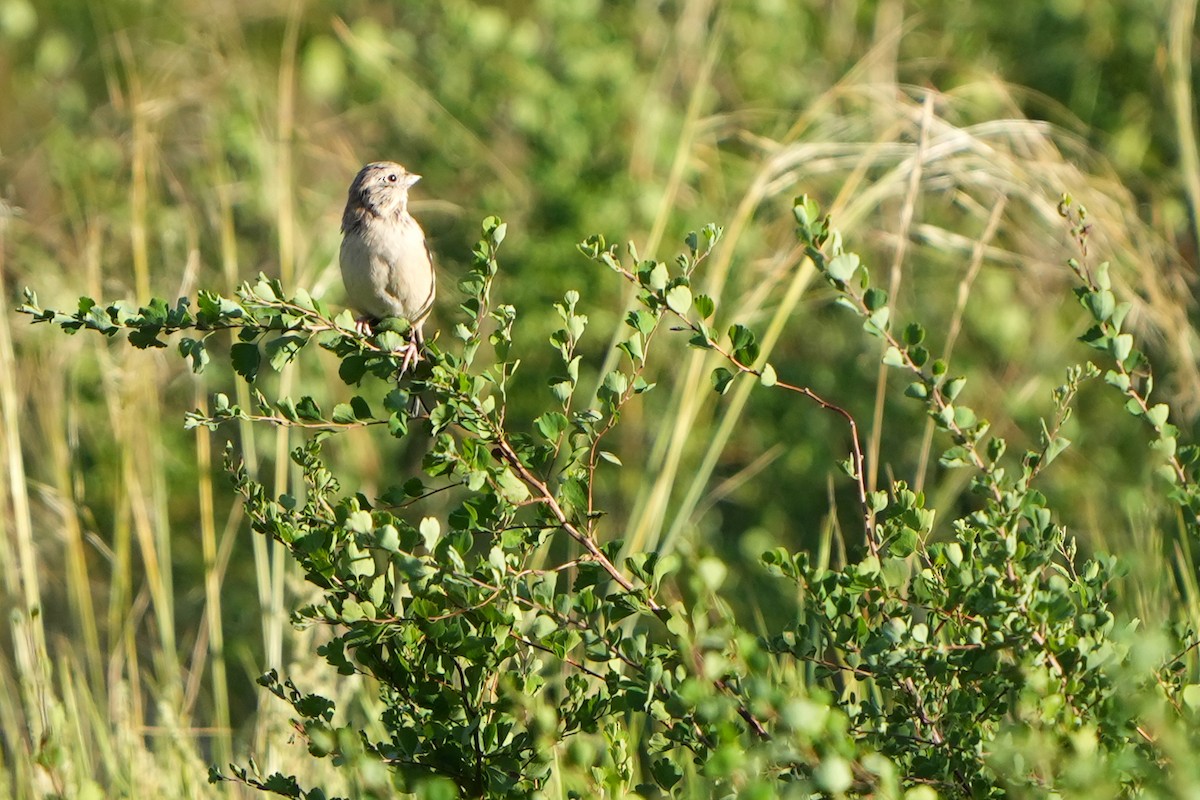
(150, 150)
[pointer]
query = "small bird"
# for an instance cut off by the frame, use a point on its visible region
(386, 265)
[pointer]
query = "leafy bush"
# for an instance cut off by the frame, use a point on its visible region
(512, 649)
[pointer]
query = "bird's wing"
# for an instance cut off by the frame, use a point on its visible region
(423, 311)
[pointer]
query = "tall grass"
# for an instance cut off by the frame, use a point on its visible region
(1002, 180)
(191, 151)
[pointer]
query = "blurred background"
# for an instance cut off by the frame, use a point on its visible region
(153, 149)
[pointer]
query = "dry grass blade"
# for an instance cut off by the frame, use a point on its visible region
(965, 164)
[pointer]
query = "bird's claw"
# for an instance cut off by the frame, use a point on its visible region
(412, 355)
(411, 350)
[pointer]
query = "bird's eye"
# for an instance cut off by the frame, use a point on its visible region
(392, 177)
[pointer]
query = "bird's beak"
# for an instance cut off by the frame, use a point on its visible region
(411, 179)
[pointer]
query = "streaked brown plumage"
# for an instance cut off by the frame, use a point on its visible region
(386, 265)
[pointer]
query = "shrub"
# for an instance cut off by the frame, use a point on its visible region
(510, 649)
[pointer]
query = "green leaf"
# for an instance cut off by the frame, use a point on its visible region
(640, 386)
(431, 531)
(98, 318)
(308, 410)
(352, 369)
(499, 231)
(360, 522)
(1118, 379)
(1121, 346)
(287, 407)
(573, 496)
(711, 572)
(677, 622)
(194, 350)
(388, 538)
(679, 299)
(155, 312)
(657, 277)
(1165, 446)
(703, 337)
(1157, 415)
(740, 337)
(551, 425)
(264, 289)
(562, 390)
(616, 382)
(1118, 317)
(1096, 337)
(833, 775)
(842, 266)
(956, 456)
(343, 414)
(806, 211)
(511, 487)
(892, 357)
(576, 325)
(352, 611)
(283, 349)
(634, 348)
(767, 376)
(666, 773)
(721, 378)
(704, 306)
(641, 321)
(1101, 304)
(996, 448)
(390, 341)
(362, 409)
(902, 545)
(397, 400)
(245, 359)
(1055, 448)
(875, 299)
(145, 337)
(877, 323)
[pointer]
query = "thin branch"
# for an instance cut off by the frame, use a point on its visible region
(511, 458)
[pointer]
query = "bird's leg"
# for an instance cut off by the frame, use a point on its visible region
(411, 357)
(412, 350)
(365, 326)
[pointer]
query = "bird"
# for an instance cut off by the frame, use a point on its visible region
(386, 265)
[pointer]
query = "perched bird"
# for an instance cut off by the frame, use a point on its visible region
(386, 265)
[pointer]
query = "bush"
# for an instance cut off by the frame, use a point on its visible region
(511, 649)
